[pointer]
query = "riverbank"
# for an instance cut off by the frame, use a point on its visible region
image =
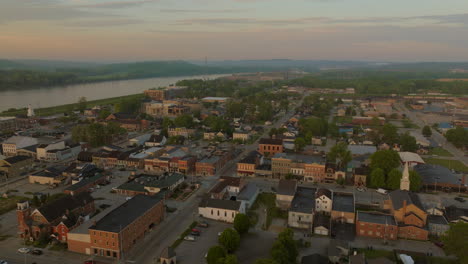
(47, 111)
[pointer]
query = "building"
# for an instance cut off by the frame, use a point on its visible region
(437, 225)
(156, 94)
(405, 179)
(360, 176)
(301, 211)
(11, 145)
(52, 218)
(151, 185)
(220, 210)
(209, 166)
(360, 150)
(117, 232)
(323, 201)
(285, 194)
(85, 184)
(248, 165)
(215, 99)
(156, 141)
(269, 147)
(15, 166)
(227, 187)
(409, 213)
(180, 131)
(47, 176)
(362, 120)
(310, 168)
(8, 123)
(411, 158)
(376, 225)
(242, 136)
(322, 224)
(58, 151)
(439, 177)
(248, 195)
(455, 214)
(343, 209)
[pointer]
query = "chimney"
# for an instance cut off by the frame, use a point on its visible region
(404, 207)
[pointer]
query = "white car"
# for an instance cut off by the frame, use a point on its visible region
(3, 261)
(189, 238)
(24, 250)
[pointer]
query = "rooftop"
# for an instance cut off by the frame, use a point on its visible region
(220, 204)
(84, 182)
(249, 191)
(225, 181)
(362, 149)
(437, 219)
(16, 159)
(270, 141)
(410, 157)
(127, 213)
(430, 174)
(300, 158)
(343, 202)
(287, 187)
(398, 196)
(376, 218)
(304, 200)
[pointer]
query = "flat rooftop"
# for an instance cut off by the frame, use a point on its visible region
(343, 202)
(376, 218)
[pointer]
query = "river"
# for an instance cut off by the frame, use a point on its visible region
(60, 95)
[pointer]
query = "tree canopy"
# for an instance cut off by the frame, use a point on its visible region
(284, 250)
(455, 241)
(458, 136)
(377, 178)
(408, 142)
(385, 160)
(340, 155)
(427, 131)
(393, 179)
(415, 181)
(242, 223)
(215, 253)
(229, 239)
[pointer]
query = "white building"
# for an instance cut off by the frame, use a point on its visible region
(323, 200)
(57, 151)
(11, 145)
(221, 210)
(301, 213)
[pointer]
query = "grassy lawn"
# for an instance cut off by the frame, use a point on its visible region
(70, 107)
(451, 164)
(343, 119)
(440, 152)
(8, 204)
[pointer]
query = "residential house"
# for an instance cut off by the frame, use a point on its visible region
(437, 225)
(242, 136)
(285, 194)
(323, 200)
(343, 208)
(227, 187)
(376, 225)
(220, 210)
(301, 211)
(321, 224)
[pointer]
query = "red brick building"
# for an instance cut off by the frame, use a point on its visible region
(270, 146)
(117, 232)
(55, 218)
(376, 225)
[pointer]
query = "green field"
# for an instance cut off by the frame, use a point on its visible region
(8, 204)
(451, 164)
(440, 152)
(70, 107)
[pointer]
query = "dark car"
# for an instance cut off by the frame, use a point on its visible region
(90, 262)
(460, 199)
(439, 244)
(203, 224)
(37, 252)
(195, 233)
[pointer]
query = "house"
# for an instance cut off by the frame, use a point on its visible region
(323, 200)
(248, 195)
(317, 141)
(341, 112)
(301, 212)
(180, 131)
(67, 210)
(117, 232)
(321, 224)
(360, 176)
(285, 194)
(409, 214)
(247, 165)
(156, 141)
(242, 136)
(227, 187)
(12, 144)
(270, 146)
(376, 225)
(343, 209)
(15, 166)
(455, 214)
(437, 225)
(220, 210)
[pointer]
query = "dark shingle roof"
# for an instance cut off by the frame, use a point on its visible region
(437, 219)
(57, 208)
(287, 187)
(221, 204)
(304, 200)
(398, 196)
(84, 182)
(314, 259)
(225, 181)
(376, 218)
(323, 191)
(122, 216)
(343, 202)
(270, 141)
(16, 159)
(322, 220)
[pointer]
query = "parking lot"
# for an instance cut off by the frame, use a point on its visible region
(189, 252)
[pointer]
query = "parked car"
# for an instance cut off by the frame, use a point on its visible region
(382, 191)
(3, 261)
(196, 230)
(24, 250)
(203, 224)
(37, 252)
(460, 199)
(439, 244)
(195, 233)
(189, 238)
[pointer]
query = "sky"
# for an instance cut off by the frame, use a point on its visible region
(135, 30)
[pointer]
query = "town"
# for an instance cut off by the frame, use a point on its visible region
(248, 168)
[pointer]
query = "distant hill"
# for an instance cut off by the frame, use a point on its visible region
(8, 65)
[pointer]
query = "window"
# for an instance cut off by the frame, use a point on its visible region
(225, 214)
(370, 232)
(211, 211)
(361, 232)
(112, 235)
(218, 212)
(95, 250)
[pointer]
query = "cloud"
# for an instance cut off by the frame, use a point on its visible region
(226, 21)
(104, 22)
(169, 10)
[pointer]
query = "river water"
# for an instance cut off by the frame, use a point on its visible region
(59, 95)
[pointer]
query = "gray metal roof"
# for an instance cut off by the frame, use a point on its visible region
(376, 218)
(343, 202)
(304, 200)
(430, 172)
(220, 204)
(437, 219)
(249, 191)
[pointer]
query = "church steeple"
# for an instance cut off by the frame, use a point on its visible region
(30, 111)
(405, 180)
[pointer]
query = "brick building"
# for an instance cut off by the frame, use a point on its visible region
(376, 225)
(247, 165)
(269, 146)
(310, 168)
(343, 209)
(85, 184)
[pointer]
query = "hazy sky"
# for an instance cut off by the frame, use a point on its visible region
(395, 30)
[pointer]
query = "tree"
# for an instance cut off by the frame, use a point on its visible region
(229, 259)
(340, 155)
(104, 114)
(385, 160)
(299, 144)
(389, 134)
(242, 223)
(229, 239)
(457, 136)
(415, 181)
(265, 261)
(377, 178)
(455, 241)
(426, 131)
(408, 142)
(82, 104)
(184, 121)
(272, 132)
(284, 250)
(35, 201)
(393, 179)
(215, 253)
